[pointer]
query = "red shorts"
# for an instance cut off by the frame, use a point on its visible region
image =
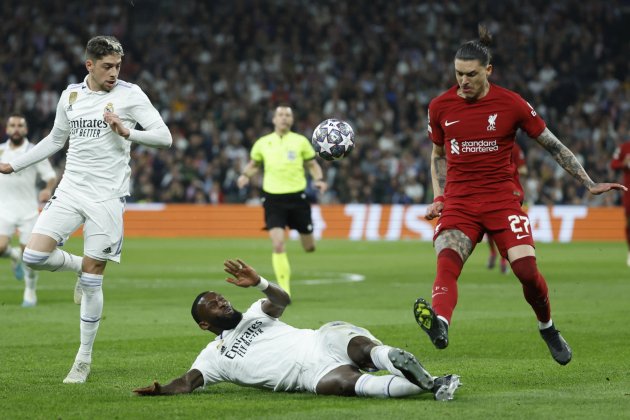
(506, 223)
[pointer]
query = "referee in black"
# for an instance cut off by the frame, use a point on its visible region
(284, 155)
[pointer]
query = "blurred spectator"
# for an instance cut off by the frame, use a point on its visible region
(214, 69)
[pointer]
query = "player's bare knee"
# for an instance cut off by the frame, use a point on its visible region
(340, 381)
(93, 265)
(359, 349)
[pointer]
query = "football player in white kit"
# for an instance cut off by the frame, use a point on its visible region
(98, 115)
(256, 349)
(19, 206)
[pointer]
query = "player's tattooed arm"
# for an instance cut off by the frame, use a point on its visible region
(438, 169)
(456, 240)
(564, 157)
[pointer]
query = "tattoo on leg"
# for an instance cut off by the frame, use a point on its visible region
(456, 240)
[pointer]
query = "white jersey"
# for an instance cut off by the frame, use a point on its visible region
(261, 351)
(97, 163)
(18, 191)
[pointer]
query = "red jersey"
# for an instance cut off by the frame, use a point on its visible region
(518, 160)
(478, 138)
(621, 153)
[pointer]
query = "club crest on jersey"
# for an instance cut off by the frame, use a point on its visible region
(72, 99)
(291, 155)
(109, 107)
(454, 147)
(492, 119)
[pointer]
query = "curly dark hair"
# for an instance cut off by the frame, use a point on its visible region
(102, 45)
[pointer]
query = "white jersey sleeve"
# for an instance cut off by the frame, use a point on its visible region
(155, 133)
(50, 144)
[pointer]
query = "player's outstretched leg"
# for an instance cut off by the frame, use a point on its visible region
(559, 348)
(445, 386)
(436, 328)
(413, 371)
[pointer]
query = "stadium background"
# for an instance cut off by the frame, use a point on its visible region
(215, 70)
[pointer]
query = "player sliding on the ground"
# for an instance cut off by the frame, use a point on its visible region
(256, 349)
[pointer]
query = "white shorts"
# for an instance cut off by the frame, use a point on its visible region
(9, 224)
(102, 224)
(331, 350)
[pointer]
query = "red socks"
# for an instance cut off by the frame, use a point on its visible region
(444, 295)
(534, 287)
(449, 267)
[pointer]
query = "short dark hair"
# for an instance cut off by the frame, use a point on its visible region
(477, 49)
(18, 115)
(102, 45)
(193, 310)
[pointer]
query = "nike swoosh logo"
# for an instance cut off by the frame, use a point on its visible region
(521, 236)
(447, 123)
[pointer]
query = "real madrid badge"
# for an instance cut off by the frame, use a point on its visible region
(72, 99)
(109, 107)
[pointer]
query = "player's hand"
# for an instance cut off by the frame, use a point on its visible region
(434, 210)
(155, 389)
(597, 189)
(245, 275)
(242, 181)
(5, 168)
(44, 195)
(321, 186)
(116, 124)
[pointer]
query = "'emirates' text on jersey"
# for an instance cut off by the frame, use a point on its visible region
(477, 138)
(261, 351)
(97, 163)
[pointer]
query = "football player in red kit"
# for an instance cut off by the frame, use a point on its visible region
(621, 161)
(473, 127)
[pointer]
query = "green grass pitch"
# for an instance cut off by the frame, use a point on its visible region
(147, 332)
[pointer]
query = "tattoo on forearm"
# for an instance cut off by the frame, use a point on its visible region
(439, 166)
(456, 240)
(564, 157)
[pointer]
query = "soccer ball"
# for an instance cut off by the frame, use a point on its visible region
(333, 139)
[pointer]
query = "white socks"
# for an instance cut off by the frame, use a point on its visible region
(91, 310)
(12, 252)
(385, 386)
(543, 325)
(30, 284)
(380, 358)
(57, 260)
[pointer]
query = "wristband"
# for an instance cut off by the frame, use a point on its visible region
(439, 199)
(263, 284)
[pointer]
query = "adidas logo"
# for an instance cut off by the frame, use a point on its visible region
(107, 250)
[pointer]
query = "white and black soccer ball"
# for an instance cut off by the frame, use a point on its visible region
(333, 139)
